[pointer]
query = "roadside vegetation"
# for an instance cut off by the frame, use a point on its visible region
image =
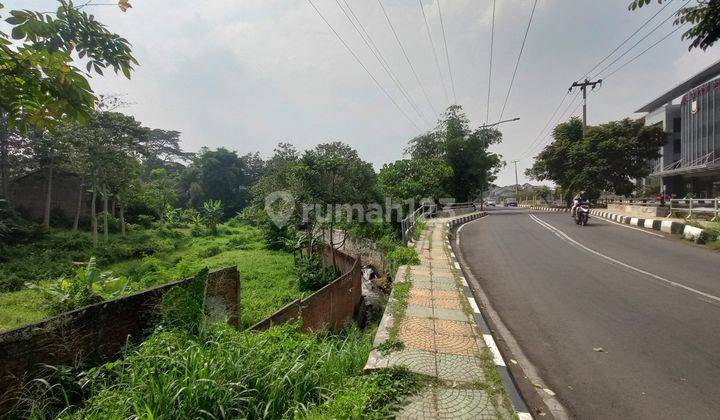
(193, 368)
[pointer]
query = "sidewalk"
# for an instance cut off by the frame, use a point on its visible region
(431, 317)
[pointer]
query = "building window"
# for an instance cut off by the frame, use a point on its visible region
(676, 125)
(676, 146)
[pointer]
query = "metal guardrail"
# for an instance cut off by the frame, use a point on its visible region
(407, 225)
(696, 205)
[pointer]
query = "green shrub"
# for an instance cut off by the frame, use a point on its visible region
(88, 286)
(403, 255)
(311, 274)
(210, 251)
(145, 220)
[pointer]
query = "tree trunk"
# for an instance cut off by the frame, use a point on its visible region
(105, 217)
(122, 219)
(93, 215)
(48, 199)
(4, 170)
(78, 208)
(112, 208)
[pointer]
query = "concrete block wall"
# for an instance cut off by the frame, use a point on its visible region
(333, 306)
(97, 333)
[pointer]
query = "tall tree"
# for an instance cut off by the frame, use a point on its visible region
(39, 85)
(703, 17)
(415, 179)
(607, 158)
(465, 150)
(331, 175)
(220, 175)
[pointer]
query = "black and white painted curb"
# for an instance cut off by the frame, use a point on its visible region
(513, 393)
(668, 226)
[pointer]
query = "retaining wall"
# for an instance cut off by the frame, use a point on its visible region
(638, 210)
(97, 333)
(333, 306)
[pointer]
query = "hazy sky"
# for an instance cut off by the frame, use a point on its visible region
(247, 74)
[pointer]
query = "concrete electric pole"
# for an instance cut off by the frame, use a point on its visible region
(583, 87)
(517, 191)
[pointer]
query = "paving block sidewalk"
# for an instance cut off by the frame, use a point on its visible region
(439, 337)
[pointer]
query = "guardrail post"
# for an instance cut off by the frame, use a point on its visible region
(689, 209)
(717, 211)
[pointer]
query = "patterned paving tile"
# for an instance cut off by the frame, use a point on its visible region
(419, 311)
(420, 406)
(420, 292)
(460, 404)
(444, 286)
(418, 339)
(418, 361)
(417, 324)
(453, 367)
(442, 276)
(452, 303)
(456, 344)
(451, 314)
(422, 284)
(421, 301)
(445, 294)
(447, 327)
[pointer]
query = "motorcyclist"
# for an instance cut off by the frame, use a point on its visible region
(579, 199)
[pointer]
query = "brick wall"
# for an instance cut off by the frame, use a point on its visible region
(333, 306)
(97, 333)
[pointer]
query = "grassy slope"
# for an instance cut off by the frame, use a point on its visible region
(267, 277)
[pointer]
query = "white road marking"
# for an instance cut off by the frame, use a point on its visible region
(629, 227)
(524, 416)
(560, 234)
(463, 281)
(457, 265)
(490, 342)
(473, 304)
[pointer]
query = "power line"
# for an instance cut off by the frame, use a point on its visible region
(644, 51)
(547, 124)
(517, 63)
(492, 42)
(562, 117)
(626, 40)
(369, 42)
(447, 55)
(407, 58)
(363, 65)
(639, 41)
(432, 45)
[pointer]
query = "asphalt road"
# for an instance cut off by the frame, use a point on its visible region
(651, 302)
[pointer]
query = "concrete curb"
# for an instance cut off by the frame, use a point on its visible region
(700, 236)
(508, 382)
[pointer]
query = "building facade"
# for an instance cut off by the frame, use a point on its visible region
(690, 162)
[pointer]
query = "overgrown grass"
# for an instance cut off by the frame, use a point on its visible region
(20, 308)
(267, 277)
(222, 373)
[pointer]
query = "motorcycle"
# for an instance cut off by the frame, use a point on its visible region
(582, 214)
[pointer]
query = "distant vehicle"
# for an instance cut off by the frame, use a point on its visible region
(510, 202)
(491, 203)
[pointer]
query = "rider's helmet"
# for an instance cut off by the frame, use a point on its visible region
(583, 193)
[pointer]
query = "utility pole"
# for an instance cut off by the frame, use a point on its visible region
(583, 87)
(517, 191)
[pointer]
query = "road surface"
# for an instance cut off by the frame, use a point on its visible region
(651, 302)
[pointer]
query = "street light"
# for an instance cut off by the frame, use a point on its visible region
(499, 122)
(484, 127)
